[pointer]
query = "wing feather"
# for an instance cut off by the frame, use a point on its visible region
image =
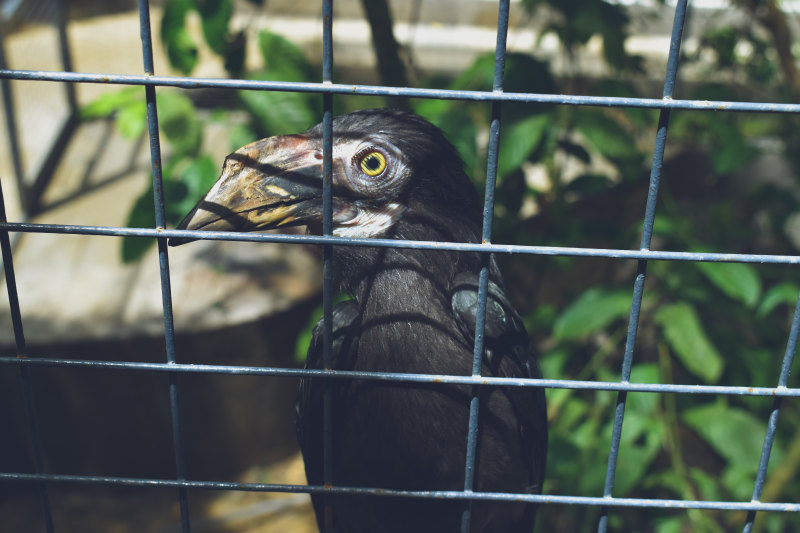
(507, 353)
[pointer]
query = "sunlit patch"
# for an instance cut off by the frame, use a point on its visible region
(369, 223)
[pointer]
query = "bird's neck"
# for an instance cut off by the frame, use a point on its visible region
(399, 279)
(387, 274)
(404, 298)
(404, 303)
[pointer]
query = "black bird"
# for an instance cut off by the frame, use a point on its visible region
(396, 176)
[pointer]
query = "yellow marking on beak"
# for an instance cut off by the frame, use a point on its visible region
(278, 191)
(274, 216)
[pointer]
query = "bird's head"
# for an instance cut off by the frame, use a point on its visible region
(387, 164)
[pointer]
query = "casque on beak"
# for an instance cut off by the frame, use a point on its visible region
(267, 184)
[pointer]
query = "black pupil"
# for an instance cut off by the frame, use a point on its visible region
(373, 163)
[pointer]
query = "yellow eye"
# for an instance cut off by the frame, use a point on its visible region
(373, 164)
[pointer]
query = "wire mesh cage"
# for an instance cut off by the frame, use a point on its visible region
(624, 391)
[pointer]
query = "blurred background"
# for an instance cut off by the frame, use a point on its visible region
(568, 176)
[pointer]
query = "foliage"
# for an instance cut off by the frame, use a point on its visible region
(215, 17)
(577, 21)
(709, 323)
(278, 113)
(715, 323)
(189, 171)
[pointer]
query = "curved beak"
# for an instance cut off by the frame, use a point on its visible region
(267, 184)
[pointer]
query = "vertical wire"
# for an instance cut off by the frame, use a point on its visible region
(25, 379)
(163, 258)
(327, 259)
(483, 278)
(647, 233)
(772, 424)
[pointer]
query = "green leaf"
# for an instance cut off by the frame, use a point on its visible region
(518, 142)
(241, 135)
(110, 102)
(236, 53)
(185, 182)
(457, 125)
(179, 122)
(131, 120)
(215, 14)
(460, 130)
(625, 87)
(665, 226)
(738, 479)
(731, 150)
(142, 215)
(554, 361)
(523, 74)
(644, 403)
(641, 440)
(129, 106)
(283, 59)
(178, 118)
(279, 113)
(735, 434)
(740, 281)
(589, 183)
(684, 333)
(181, 48)
(669, 525)
(591, 312)
(584, 434)
(196, 178)
(606, 135)
(783, 293)
(708, 485)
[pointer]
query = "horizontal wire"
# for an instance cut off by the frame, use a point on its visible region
(392, 243)
(479, 96)
(374, 90)
(189, 368)
(548, 499)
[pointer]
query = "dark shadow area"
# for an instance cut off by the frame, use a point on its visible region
(117, 422)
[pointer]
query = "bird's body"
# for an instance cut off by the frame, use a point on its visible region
(413, 311)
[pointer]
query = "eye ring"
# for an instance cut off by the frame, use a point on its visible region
(372, 163)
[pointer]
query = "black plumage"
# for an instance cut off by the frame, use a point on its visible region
(413, 311)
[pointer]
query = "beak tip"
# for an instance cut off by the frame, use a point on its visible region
(177, 241)
(183, 224)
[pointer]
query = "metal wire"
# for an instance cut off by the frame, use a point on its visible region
(496, 97)
(772, 424)
(772, 392)
(450, 495)
(652, 255)
(327, 259)
(24, 376)
(486, 238)
(163, 259)
(641, 270)
(409, 92)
